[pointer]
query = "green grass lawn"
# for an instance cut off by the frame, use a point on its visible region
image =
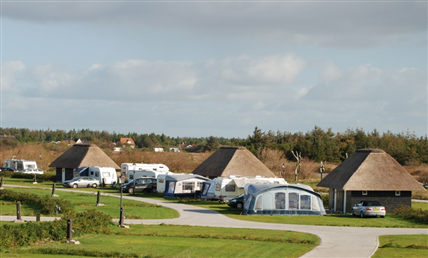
(402, 246)
(180, 241)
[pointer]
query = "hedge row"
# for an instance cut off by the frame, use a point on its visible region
(47, 204)
(89, 221)
(417, 215)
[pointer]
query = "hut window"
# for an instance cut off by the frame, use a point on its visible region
(293, 200)
(305, 202)
(279, 201)
(364, 192)
(397, 193)
(188, 186)
(230, 188)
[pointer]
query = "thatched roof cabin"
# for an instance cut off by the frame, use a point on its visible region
(370, 174)
(232, 161)
(80, 155)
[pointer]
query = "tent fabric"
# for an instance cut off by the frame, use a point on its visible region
(370, 170)
(80, 155)
(232, 161)
(290, 199)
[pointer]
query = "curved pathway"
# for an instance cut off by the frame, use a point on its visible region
(335, 241)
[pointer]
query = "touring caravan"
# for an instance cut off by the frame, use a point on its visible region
(105, 175)
(20, 165)
(187, 185)
(226, 188)
(160, 188)
(126, 167)
(289, 199)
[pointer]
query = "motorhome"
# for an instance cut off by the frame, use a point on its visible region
(105, 175)
(126, 167)
(20, 165)
(226, 188)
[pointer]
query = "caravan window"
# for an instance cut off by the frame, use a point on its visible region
(293, 200)
(280, 201)
(305, 202)
(217, 186)
(188, 186)
(161, 181)
(230, 188)
(199, 185)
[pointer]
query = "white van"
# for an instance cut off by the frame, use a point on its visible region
(126, 167)
(226, 188)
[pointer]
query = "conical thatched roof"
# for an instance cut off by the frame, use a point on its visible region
(83, 155)
(370, 170)
(237, 161)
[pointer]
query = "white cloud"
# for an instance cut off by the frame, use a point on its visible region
(11, 71)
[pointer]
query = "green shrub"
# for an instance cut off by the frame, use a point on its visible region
(24, 234)
(45, 177)
(418, 215)
(47, 204)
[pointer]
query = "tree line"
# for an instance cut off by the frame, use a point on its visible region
(317, 144)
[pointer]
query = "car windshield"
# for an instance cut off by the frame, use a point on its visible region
(371, 203)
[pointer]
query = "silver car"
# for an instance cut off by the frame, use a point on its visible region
(368, 208)
(83, 181)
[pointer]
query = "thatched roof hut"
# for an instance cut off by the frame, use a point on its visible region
(370, 174)
(370, 170)
(236, 161)
(80, 155)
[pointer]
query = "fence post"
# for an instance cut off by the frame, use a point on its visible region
(18, 213)
(37, 216)
(53, 191)
(35, 179)
(1, 183)
(98, 199)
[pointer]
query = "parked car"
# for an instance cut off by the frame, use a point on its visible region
(142, 184)
(237, 202)
(83, 181)
(7, 169)
(368, 208)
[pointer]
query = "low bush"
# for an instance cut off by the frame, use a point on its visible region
(44, 177)
(90, 221)
(47, 204)
(417, 215)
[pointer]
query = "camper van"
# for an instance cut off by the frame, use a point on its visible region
(21, 165)
(105, 175)
(226, 188)
(126, 167)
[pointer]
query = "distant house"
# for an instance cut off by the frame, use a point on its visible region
(8, 137)
(125, 141)
(232, 161)
(80, 155)
(174, 150)
(158, 149)
(370, 175)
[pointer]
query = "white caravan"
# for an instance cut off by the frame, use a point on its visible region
(21, 165)
(160, 187)
(126, 167)
(226, 188)
(105, 175)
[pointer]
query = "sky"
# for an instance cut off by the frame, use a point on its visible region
(214, 68)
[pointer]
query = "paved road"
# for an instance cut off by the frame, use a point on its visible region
(335, 241)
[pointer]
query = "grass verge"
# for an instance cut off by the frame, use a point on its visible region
(180, 241)
(402, 246)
